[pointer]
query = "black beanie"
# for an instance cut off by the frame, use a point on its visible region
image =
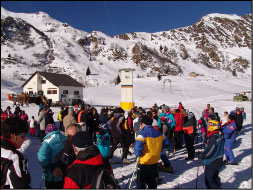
(82, 140)
(146, 120)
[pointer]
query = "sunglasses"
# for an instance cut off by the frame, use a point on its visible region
(22, 136)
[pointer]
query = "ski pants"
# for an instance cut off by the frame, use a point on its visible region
(212, 179)
(189, 141)
(178, 139)
(228, 150)
(146, 174)
(123, 143)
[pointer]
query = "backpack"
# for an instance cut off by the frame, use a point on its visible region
(103, 179)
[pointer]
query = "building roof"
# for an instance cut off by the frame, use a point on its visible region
(57, 79)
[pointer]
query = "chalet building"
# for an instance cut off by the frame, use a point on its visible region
(55, 87)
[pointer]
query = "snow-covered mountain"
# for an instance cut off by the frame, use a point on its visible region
(217, 43)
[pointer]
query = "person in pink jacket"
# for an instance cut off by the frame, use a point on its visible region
(24, 116)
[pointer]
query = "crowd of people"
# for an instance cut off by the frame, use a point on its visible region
(79, 153)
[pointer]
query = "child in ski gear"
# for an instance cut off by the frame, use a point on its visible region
(229, 131)
(88, 170)
(147, 146)
(14, 171)
(189, 129)
(48, 156)
(103, 141)
(212, 155)
(32, 126)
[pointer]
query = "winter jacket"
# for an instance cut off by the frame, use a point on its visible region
(244, 115)
(148, 145)
(116, 125)
(52, 144)
(41, 121)
(82, 116)
(169, 118)
(103, 119)
(190, 126)
(203, 124)
(69, 119)
(214, 150)
(136, 125)
(179, 121)
(60, 115)
(239, 120)
(229, 130)
(85, 171)
(24, 117)
(49, 119)
(14, 167)
(104, 141)
(6, 115)
(129, 125)
(32, 123)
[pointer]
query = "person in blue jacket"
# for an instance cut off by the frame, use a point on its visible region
(147, 146)
(48, 156)
(212, 156)
(229, 132)
(103, 143)
(166, 123)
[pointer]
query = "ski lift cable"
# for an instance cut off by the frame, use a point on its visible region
(85, 15)
(109, 17)
(52, 5)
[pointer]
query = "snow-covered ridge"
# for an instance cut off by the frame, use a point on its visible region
(46, 44)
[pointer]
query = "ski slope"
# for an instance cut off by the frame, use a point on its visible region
(194, 93)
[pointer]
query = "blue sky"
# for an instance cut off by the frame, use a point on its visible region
(117, 17)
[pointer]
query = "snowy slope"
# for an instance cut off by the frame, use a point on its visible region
(41, 43)
(194, 94)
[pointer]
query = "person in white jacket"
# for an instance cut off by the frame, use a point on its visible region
(32, 126)
(136, 123)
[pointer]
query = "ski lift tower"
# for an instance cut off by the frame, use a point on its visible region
(126, 88)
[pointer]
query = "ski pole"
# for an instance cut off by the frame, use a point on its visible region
(174, 144)
(135, 170)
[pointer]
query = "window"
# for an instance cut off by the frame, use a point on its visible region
(51, 91)
(43, 82)
(65, 91)
(30, 92)
(76, 92)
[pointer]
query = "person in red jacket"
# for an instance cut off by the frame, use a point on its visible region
(6, 114)
(179, 120)
(88, 170)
